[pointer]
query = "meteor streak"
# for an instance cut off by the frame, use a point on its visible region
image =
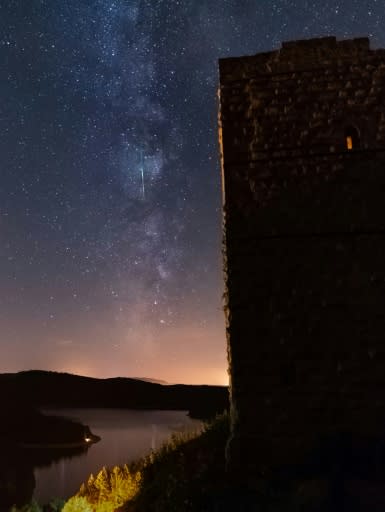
(142, 173)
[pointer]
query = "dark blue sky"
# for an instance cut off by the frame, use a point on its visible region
(110, 213)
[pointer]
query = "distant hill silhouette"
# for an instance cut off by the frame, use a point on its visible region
(52, 389)
(155, 381)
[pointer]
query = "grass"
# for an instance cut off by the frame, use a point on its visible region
(185, 472)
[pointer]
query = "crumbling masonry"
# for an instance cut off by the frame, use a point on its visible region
(302, 133)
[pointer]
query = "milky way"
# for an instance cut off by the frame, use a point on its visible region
(110, 213)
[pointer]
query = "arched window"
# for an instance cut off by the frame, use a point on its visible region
(352, 138)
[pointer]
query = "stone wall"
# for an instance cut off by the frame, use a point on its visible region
(304, 246)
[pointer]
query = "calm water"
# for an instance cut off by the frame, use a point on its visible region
(126, 435)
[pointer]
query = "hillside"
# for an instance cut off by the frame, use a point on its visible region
(52, 389)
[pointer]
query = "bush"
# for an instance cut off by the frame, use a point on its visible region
(106, 492)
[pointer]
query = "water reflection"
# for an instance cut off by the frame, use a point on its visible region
(17, 466)
(154, 437)
(125, 436)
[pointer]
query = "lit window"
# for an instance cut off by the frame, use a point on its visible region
(349, 142)
(352, 138)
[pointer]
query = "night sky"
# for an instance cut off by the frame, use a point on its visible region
(110, 202)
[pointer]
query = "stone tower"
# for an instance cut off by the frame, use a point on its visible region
(302, 134)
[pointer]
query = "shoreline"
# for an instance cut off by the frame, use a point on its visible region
(76, 444)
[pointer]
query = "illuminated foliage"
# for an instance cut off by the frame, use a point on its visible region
(110, 489)
(77, 504)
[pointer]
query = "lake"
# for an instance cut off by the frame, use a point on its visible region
(125, 436)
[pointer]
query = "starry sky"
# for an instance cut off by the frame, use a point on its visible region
(110, 202)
